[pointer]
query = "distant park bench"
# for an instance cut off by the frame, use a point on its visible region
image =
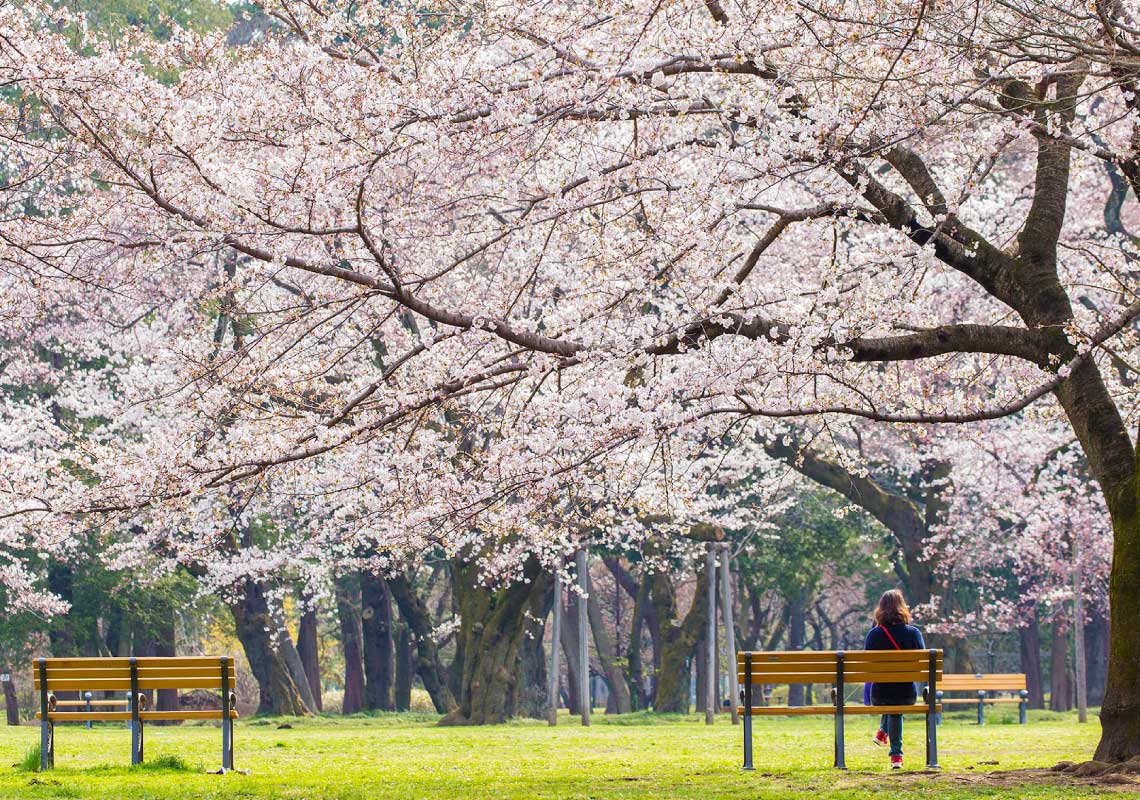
(982, 688)
(841, 669)
(134, 676)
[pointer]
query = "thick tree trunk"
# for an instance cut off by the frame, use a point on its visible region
(700, 662)
(677, 641)
(377, 642)
(796, 635)
(307, 649)
(638, 696)
(405, 669)
(352, 644)
(159, 641)
(11, 706)
(492, 629)
(1120, 709)
(282, 686)
(611, 669)
(1029, 639)
(1096, 644)
(570, 644)
(530, 694)
(1060, 679)
(414, 612)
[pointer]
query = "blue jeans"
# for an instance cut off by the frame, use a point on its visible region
(891, 725)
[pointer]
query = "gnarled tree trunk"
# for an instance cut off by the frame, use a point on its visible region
(678, 640)
(604, 643)
(352, 644)
(282, 685)
(308, 650)
(415, 613)
(1029, 641)
(376, 642)
(492, 627)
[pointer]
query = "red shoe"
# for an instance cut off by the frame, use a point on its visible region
(881, 738)
(896, 762)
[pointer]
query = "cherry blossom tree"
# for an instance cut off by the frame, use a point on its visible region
(432, 274)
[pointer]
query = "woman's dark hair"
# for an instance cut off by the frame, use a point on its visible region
(892, 609)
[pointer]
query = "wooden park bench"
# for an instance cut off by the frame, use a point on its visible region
(982, 687)
(844, 670)
(135, 676)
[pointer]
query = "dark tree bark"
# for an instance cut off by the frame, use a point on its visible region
(700, 665)
(1096, 647)
(377, 642)
(159, 641)
(611, 669)
(530, 696)
(308, 650)
(569, 637)
(415, 613)
(1029, 639)
(405, 669)
(1060, 679)
(11, 706)
(797, 632)
(639, 698)
(283, 688)
(677, 641)
(352, 644)
(492, 626)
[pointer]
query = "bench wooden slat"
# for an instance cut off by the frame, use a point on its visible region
(829, 710)
(124, 684)
(828, 657)
(849, 676)
(143, 661)
(878, 666)
(956, 683)
(125, 716)
(94, 702)
(120, 672)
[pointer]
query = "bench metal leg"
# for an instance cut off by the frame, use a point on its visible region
(981, 708)
(748, 711)
(227, 745)
(137, 743)
(47, 745)
(938, 715)
(931, 742)
(1023, 710)
(840, 756)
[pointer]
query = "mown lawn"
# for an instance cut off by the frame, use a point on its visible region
(640, 756)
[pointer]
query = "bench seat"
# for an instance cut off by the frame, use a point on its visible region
(981, 688)
(840, 669)
(829, 710)
(136, 677)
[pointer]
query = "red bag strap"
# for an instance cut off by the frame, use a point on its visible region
(888, 633)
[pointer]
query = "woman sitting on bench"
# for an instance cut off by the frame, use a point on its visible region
(893, 631)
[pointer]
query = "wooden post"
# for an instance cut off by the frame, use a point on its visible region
(555, 646)
(10, 697)
(729, 630)
(710, 635)
(1079, 633)
(583, 641)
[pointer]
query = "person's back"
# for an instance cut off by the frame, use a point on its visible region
(892, 631)
(898, 636)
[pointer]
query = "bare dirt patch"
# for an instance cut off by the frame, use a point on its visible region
(1117, 777)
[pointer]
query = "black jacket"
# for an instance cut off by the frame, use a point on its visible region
(908, 637)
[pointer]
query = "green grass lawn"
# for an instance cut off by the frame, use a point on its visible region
(639, 756)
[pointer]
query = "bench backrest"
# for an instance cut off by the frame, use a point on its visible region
(988, 683)
(114, 674)
(822, 666)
